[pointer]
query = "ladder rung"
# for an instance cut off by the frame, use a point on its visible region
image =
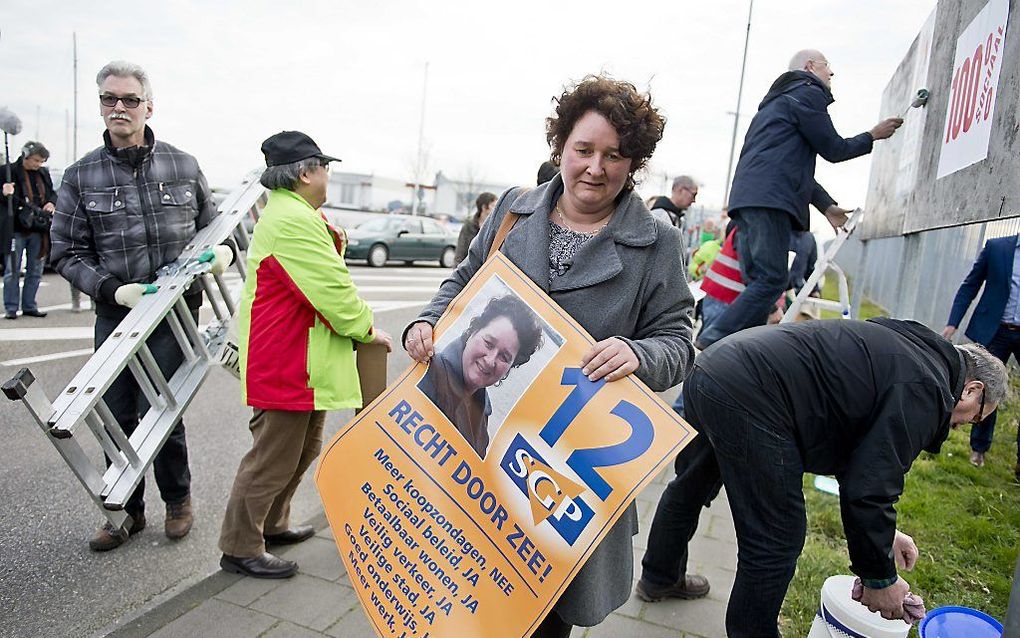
(117, 433)
(150, 435)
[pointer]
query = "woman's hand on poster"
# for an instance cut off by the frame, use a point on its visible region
(418, 342)
(611, 359)
(382, 338)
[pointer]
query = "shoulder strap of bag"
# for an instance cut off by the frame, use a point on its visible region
(504, 227)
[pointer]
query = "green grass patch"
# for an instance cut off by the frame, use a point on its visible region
(965, 521)
(830, 290)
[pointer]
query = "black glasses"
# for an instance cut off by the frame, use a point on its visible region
(981, 409)
(129, 102)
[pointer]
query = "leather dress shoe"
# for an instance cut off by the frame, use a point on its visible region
(691, 587)
(109, 537)
(264, 566)
(33, 313)
(290, 536)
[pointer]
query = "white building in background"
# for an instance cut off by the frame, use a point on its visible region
(456, 197)
(365, 192)
(374, 193)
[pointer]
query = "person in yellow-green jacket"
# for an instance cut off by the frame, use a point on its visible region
(703, 257)
(299, 317)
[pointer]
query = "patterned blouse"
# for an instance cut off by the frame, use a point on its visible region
(563, 245)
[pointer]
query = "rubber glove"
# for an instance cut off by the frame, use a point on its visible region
(220, 258)
(130, 294)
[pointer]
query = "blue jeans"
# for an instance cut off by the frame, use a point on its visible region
(762, 243)
(761, 467)
(697, 483)
(30, 243)
(711, 309)
(127, 402)
(1004, 343)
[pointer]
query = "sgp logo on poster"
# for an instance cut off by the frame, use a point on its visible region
(555, 498)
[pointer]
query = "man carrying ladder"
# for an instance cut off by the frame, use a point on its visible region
(124, 210)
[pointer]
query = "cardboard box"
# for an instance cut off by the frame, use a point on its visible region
(371, 359)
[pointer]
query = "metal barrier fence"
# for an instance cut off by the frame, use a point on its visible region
(916, 276)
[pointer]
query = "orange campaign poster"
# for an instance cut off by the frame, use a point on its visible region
(468, 494)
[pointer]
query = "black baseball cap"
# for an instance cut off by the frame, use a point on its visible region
(287, 147)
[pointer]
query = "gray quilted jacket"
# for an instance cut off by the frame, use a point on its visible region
(124, 213)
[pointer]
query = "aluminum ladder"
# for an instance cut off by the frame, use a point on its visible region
(79, 412)
(827, 262)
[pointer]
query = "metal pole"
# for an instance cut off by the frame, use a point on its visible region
(9, 222)
(421, 135)
(74, 143)
(75, 293)
(67, 137)
(736, 115)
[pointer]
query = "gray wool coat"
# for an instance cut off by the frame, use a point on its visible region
(629, 281)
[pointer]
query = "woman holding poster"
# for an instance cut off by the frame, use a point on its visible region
(589, 241)
(502, 337)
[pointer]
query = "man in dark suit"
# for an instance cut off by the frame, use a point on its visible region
(995, 324)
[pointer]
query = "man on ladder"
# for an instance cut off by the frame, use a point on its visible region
(774, 184)
(124, 210)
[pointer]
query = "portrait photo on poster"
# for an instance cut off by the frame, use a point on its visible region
(486, 360)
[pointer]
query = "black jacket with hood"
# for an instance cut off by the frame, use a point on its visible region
(777, 162)
(35, 187)
(861, 400)
(676, 216)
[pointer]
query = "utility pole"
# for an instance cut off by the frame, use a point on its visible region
(74, 137)
(75, 293)
(421, 136)
(736, 114)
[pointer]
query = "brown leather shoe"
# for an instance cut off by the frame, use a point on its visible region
(691, 587)
(109, 537)
(179, 518)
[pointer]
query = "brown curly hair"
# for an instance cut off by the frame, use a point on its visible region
(637, 122)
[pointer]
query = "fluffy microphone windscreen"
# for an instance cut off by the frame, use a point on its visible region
(9, 122)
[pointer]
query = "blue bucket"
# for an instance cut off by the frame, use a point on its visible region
(959, 622)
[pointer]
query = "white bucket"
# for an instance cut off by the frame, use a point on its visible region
(840, 616)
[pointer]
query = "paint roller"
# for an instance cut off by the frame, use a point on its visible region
(919, 101)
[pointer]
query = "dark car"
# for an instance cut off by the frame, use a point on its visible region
(403, 238)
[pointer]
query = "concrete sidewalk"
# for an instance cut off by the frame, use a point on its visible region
(319, 601)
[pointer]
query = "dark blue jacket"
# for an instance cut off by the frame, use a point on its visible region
(777, 163)
(994, 269)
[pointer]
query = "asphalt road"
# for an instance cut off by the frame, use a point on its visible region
(50, 583)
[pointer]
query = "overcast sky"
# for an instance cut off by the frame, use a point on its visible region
(227, 74)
